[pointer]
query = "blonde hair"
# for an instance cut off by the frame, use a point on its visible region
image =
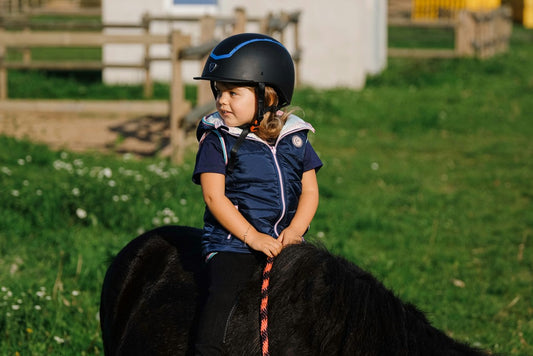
(273, 121)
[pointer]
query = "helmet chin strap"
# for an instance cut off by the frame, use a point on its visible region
(233, 153)
(260, 95)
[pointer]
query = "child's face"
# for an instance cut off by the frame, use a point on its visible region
(235, 104)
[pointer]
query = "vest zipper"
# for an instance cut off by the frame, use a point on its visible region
(281, 188)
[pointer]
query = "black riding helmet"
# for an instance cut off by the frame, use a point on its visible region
(256, 60)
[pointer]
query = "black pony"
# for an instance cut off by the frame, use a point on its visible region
(319, 304)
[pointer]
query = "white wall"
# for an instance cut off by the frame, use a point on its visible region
(342, 40)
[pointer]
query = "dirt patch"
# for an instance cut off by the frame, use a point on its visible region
(145, 135)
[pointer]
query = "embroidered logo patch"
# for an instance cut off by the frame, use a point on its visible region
(297, 141)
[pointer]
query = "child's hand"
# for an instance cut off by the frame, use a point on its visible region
(264, 243)
(290, 236)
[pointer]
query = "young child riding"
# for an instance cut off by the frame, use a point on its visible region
(256, 168)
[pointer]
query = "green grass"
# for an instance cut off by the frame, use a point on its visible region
(412, 37)
(427, 184)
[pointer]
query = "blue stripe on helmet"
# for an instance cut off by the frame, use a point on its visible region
(227, 55)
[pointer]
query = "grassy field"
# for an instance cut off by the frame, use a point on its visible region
(427, 183)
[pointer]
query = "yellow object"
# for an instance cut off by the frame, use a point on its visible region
(431, 9)
(528, 14)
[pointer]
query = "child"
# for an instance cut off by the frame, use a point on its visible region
(256, 168)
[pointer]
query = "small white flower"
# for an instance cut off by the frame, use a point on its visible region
(75, 192)
(82, 214)
(37, 307)
(127, 156)
(112, 183)
(59, 340)
(106, 172)
(39, 192)
(124, 197)
(15, 307)
(15, 193)
(6, 171)
(374, 166)
(116, 198)
(64, 155)
(75, 293)
(28, 158)
(3, 289)
(41, 293)
(82, 171)
(20, 162)
(183, 201)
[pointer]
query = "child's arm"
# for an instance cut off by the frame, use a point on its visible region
(305, 212)
(213, 189)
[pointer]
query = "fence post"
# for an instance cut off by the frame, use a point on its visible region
(464, 34)
(26, 52)
(3, 70)
(207, 33)
(240, 21)
(148, 85)
(484, 33)
(178, 105)
(503, 28)
(297, 48)
(285, 20)
(264, 24)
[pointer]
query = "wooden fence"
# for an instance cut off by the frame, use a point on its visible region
(480, 34)
(274, 25)
(180, 112)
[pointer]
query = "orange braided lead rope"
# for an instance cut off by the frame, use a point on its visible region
(264, 307)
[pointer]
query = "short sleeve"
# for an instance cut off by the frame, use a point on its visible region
(210, 157)
(311, 159)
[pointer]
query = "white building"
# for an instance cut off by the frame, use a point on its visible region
(342, 41)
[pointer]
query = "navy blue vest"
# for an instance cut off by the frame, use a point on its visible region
(265, 185)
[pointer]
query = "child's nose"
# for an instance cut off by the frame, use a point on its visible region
(222, 97)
